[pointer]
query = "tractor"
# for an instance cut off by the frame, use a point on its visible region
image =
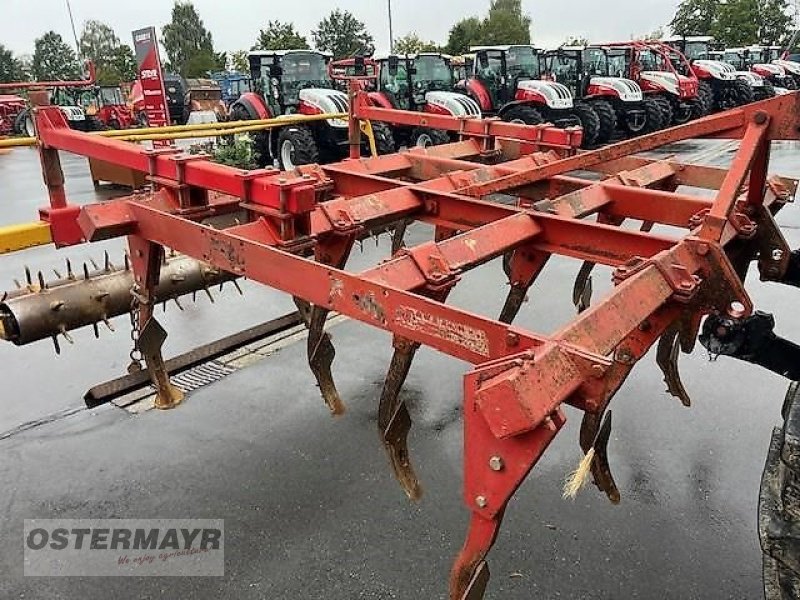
(657, 70)
(108, 109)
(422, 83)
(507, 81)
(297, 82)
(616, 100)
(233, 85)
(462, 66)
(749, 59)
(11, 106)
(719, 81)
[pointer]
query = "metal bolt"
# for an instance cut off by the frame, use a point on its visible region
(702, 249)
(496, 463)
(686, 285)
(760, 118)
(777, 254)
(598, 371)
(645, 325)
(512, 339)
(480, 501)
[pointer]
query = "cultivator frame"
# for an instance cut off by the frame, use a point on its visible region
(301, 226)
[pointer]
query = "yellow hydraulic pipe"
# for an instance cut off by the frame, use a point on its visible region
(18, 142)
(24, 235)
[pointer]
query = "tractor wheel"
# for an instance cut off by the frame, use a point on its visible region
(666, 109)
(779, 505)
(789, 83)
(635, 120)
(296, 146)
(527, 115)
(608, 120)
(706, 95)
(654, 116)
(114, 124)
(19, 122)
(384, 140)
(590, 122)
(744, 93)
(424, 137)
(762, 93)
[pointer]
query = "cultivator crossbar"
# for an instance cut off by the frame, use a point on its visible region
(485, 201)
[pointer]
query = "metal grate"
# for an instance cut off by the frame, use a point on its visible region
(201, 375)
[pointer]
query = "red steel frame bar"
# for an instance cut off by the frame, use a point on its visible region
(302, 225)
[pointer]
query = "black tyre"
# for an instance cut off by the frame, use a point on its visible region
(240, 112)
(590, 122)
(296, 146)
(523, 114)
(633, 119)
(764, 92)
(706, 95)
(666, 110)
(19, 122)
(654, 116)
(789, 83)
(384, 140)
(424, 137)
(608, 120)
(744, 92)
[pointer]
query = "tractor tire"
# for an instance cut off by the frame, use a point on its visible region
(296, 146)
(666, 109)
(240, 112)
(384, 140)
(424, 137)
(590, 122)
(19, 122)
(523, 114)
(608, 120)
(744, 93)
(654, 115)
(706, 95)
(762, 93)
(779, 505)
(789, 83)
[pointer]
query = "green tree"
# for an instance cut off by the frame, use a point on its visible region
(506, 24)
(736, 23)
(467, 32)
(189, 45)
(53, 59)
(280, 36)
(775, 22)
(343, 35)
(238, 61)
(656, 34)
(695, 17)
(575, 41)
(411, 43)
(11, 67)
(113, 60)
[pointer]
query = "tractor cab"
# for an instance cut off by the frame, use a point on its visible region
(462, 66)
(109, 109)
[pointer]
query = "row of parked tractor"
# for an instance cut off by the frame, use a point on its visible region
(610, 90)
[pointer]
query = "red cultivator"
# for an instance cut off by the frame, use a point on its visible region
(296, 230)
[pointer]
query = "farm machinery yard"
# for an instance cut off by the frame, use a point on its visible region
(507, 191)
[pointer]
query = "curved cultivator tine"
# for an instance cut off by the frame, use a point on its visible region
(582, 290)
(669, 347)
(594, 436)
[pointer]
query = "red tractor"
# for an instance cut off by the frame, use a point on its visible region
(662, 75)
(756, 59)
(507, 81)
(595, 75)
(424, 83)
(109, 110)
(297, 82)
(11, 106)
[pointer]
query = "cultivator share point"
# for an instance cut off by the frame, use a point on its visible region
(295, 230)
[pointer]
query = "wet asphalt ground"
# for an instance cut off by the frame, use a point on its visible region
(311, 509)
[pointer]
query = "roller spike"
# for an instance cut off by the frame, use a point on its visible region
(70, 274)
(164, 306)
(194, 296)
(85, 272)
(42, 284)
(127, 262)
(221, 285)
(172, 253)
(57, 274)
(5, 295)
(95, 266)
(96, 330)
(108, 324)
(107, 263)
(18, 284)
(28, 277)
(208, 293)
(178, 303)
(238, 287)
(66, 335)
(361, 245)
(56, 345)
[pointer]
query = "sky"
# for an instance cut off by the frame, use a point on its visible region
(235, 24)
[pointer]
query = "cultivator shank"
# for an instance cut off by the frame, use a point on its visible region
(485, 200)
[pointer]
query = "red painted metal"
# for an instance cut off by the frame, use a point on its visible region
(302, 225)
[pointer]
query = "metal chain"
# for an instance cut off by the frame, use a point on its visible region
(136, 328)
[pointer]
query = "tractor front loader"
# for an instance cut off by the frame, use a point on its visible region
(294, 232)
